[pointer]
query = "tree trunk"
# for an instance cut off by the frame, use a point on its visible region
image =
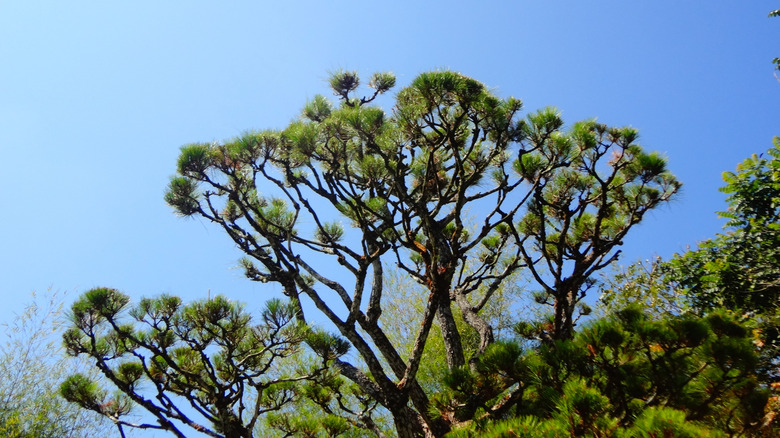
(408, 424)
(564, 315)
(414, 390)
(449, 331)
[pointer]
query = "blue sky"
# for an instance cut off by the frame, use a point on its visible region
(97, 97)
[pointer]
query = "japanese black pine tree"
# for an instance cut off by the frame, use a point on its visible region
(453, 187)
(206, 367)
(624, 375)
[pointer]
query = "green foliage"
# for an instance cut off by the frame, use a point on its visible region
(741, 268)
(182, 196)
(330, 406)
(318, 109)
(738, 269)
(624, 375)
(382, 82)
(754, 190)
(454, 188)
(327, 345)
(343, 82)
(209, 354)
(644, 282)
(663, 422)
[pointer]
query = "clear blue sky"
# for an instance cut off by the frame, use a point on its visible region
(97, 97)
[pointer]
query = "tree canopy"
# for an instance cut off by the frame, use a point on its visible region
(207, 366)
(410, 234)
(740, 267)
(623, 375)
(737, 269)
(453, 188)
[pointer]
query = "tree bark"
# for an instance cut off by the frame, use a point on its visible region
(408, 424)
(564, 314)
(449, 331)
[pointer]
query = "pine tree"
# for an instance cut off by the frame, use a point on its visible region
(454, 188)
(623, 375)
(207, 366)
